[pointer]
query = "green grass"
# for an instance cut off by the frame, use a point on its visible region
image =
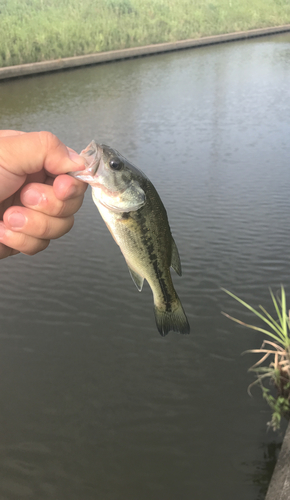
(37, 30)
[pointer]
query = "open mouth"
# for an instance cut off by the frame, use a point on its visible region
(92, 155)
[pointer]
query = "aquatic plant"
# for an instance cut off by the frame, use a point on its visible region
(277, 351)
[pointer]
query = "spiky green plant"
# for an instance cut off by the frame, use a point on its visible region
(278, 351)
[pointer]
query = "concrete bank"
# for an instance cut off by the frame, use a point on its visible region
(115, 55)
(279, 488)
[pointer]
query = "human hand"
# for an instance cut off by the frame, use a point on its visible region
(37, 201)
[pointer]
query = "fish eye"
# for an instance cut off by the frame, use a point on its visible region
(116, 164)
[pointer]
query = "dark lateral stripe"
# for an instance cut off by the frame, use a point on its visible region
(149, 244)
(166, 294)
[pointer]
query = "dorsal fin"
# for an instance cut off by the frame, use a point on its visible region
(175, 259)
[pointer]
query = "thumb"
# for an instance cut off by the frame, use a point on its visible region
(30, 153)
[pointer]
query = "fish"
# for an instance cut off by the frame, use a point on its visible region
(137, 219)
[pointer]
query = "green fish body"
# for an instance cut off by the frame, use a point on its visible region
(137, 220)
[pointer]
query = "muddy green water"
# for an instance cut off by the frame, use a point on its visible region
(95, 405)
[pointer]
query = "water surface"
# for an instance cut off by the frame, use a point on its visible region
(94, 403)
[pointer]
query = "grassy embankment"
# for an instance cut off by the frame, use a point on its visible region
(37, 30)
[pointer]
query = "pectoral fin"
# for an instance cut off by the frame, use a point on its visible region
(175, 259)
(138, 280)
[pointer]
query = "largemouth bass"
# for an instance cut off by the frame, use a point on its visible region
(137, 220)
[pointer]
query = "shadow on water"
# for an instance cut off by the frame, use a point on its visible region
(263, 470)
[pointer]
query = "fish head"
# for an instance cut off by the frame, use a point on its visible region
(115, 182)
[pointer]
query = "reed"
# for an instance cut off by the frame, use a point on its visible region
(277, 351)
(38, 30)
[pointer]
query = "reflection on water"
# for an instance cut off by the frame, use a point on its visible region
(94, 403)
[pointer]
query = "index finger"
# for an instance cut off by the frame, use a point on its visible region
(6, 133)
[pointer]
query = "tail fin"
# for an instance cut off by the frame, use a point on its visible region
(175, 320)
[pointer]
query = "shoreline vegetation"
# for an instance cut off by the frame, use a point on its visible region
(43, 30)
(274, 363)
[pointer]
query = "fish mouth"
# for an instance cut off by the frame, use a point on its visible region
(92, 155)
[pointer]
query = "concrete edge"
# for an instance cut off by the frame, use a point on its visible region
(279, 488)
(115, 55)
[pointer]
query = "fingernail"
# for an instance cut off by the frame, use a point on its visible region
(2, 230)
(16, 220)
(31, 197)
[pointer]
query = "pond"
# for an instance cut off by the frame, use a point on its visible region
(95, 404)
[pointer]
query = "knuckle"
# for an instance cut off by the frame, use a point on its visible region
(55, 227)
(47, 139)
(20, 242)
(36, 247)
(67, 208)
(65, 226)
(60, 210)
(43, 229)
(71, 221)
(78, 202)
